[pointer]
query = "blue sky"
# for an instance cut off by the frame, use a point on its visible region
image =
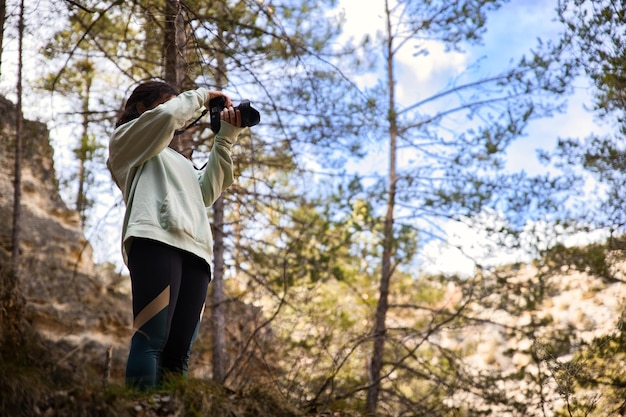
(511, 32)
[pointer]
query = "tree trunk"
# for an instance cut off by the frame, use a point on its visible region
(17, 182)
(218, 334)
(12, 304)
(3, 18)
(172, 47)
(380, 328)
(84, 154)
(237, 236)
(217, 295)
(174, 66)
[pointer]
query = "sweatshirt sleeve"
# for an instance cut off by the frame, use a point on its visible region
(218, 173)
(137, 141)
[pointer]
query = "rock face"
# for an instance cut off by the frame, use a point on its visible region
(66, 300)
(45, 219)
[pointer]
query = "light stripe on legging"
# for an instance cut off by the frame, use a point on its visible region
(159, 303)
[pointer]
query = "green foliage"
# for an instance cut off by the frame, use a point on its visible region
(594, 33)
(592, 259)
(598, 164)
(454, 24)
(592, 382)
(321, 280)
(595, 30)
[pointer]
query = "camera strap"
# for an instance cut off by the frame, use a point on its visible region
(181, 131)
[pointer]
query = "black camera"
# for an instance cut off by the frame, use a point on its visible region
(249, 115)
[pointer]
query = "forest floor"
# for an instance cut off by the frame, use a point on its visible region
(33, 383)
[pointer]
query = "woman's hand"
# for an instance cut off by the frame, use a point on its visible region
(214, 94)
(228, 114)
(232, 116)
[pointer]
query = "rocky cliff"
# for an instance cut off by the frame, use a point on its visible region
(66, 300)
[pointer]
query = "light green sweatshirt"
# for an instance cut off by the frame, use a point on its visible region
(166, 197)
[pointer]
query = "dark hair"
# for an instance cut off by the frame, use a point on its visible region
(146, 93)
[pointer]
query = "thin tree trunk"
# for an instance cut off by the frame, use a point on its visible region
(83, 155)
(11, 307)
(380, 328)
(217, 295)
(17, 183)
(237, 233)
(218, 333)
(3, 17)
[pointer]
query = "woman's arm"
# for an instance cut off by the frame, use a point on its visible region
(218, 173)
(139, 140)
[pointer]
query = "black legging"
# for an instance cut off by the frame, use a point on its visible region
(169, 288)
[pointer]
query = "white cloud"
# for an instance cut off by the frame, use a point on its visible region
(467, 247)
(447, 258)
(362, 20)
(420, 77)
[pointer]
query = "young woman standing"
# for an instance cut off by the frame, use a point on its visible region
(166, 237)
